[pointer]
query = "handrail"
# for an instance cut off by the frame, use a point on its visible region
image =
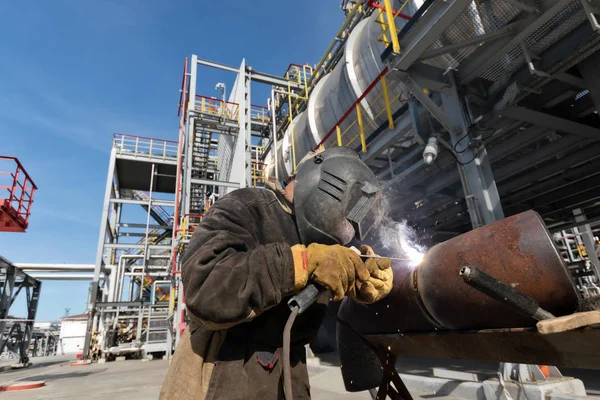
(218, 108)
(21, 189)
(141, 146)
(353, 108)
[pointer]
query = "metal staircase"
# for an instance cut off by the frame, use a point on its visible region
(159, 214)
(202, 168)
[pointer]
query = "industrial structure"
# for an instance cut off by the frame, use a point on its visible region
(17, 191)
(468, 111)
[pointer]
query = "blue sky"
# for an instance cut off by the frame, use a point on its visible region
(74, 72)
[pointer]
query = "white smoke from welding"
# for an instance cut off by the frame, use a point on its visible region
(398, 238)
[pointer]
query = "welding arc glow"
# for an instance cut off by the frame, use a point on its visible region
(401, 240)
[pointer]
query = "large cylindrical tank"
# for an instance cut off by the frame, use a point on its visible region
(337, 91)
(518, 251)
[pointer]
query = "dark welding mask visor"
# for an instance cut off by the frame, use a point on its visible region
(365, 213)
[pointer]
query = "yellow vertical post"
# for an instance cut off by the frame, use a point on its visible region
(202, 106)
(389, 13)
(361, 128)
(388, 107)
(339, 135)
(383, 28)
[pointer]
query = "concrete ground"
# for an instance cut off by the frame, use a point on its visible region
(142, 380)
(133, 379)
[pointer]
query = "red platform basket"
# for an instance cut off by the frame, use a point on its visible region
(16, 195)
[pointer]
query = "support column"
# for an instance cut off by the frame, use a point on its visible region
(475, 172)
(588, 239)
(100, 252)
(241, 163)
(5, 300)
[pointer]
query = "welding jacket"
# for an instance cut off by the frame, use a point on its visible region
(238, 274)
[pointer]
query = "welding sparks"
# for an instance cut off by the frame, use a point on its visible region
(401, 240)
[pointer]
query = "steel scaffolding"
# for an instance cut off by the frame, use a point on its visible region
(157, 192)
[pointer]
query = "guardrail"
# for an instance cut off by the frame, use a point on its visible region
(189, 223)
(259, 114)
(217, 108)
(20, 188)
(145, 147)
(357, 120)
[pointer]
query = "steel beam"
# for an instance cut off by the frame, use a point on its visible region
(578, 200)
(475, 172)
(384, 141)
(438, 17)
(551, 122)
(581, 155)
(115, 304)
(100, 251)
(134, 225)
(214, 65)
(126, 246)
(475, 40)
(572, 80)
(436, 111)
(214, 183)
(154, 159)
(272, 80)
(404, 158)
(161, 203)
(255, 75)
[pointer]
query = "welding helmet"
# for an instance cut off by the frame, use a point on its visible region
(335, 198)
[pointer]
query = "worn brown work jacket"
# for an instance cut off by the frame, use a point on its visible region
(238, 274)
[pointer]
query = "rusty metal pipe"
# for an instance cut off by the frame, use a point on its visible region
(517, 250)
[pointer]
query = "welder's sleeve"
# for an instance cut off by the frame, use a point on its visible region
(228, 277)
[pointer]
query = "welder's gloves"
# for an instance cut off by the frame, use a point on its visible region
(335, 268)
(380, 281)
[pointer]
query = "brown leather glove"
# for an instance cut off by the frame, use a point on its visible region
(336, 268)
(380, 282)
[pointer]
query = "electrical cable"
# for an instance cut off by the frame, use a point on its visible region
(287, 368)
(467, 135)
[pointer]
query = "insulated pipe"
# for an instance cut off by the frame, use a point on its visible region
(56, 267)
(64, 277)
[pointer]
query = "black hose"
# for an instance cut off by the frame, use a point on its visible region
(285, 357)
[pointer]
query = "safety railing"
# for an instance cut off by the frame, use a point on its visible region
(299, 73)
(372, 109)
(18, 189)
(259, 171)
(259, 114)
(189, 222)
(145, 147)
(296, 103)
(216, 108)
(387, 19)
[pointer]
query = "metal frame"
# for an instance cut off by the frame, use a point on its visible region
(12, 282)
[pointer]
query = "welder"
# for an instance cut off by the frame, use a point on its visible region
(255, 249)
